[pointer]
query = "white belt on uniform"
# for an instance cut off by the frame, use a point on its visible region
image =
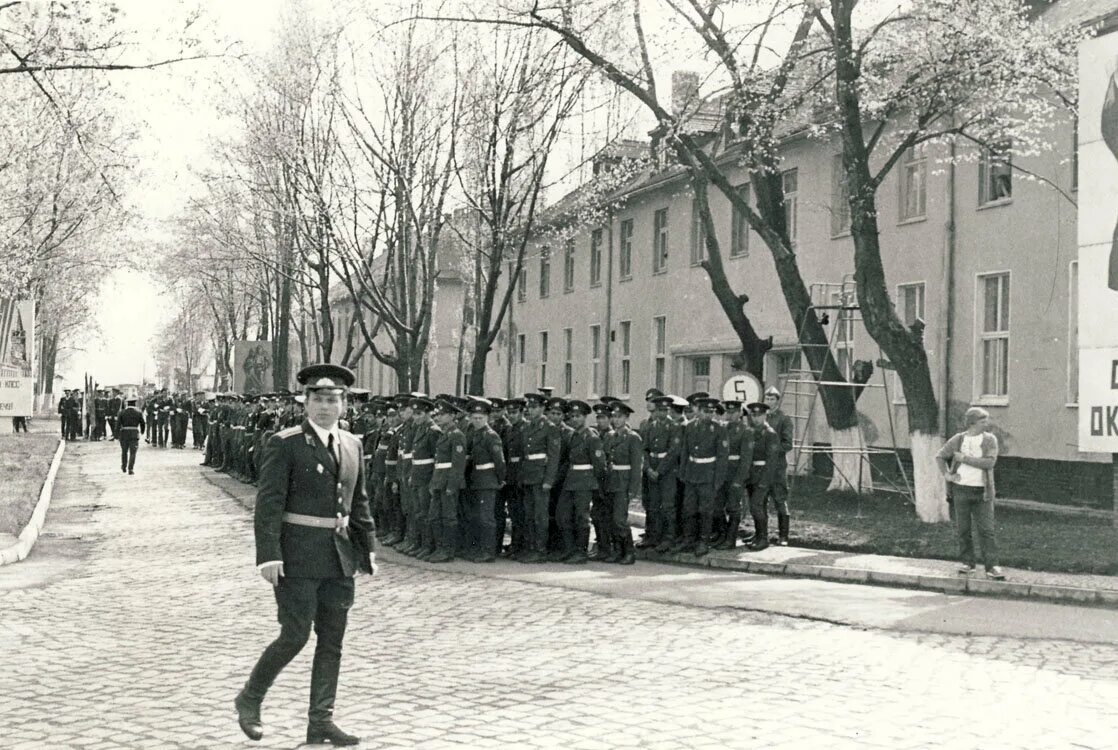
(536, 456)
(708, 460)
(581, 467)
(514, 460)
(621, 467)
(660, 455)
(319, 522)
(484, 466)
(733, 458)
(389, 463)
(405, 455)
(422, 461)
(445, 465)
(758, 463)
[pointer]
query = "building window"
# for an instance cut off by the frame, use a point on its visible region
(660, 240)
(521, 357)
(1073, 333)
(625, 254)
(780, 366)
(568, 361)
(791, 207)
(569, 265)
(840, 199)
(914, 188)
(543, 359)
(595, 360)
(521, 283)
(698, 234)
(659, 351)
(995, 174)
(545, 271)
(700, 374)
(596, 258)
(993, 334)
(739, 227)
(910, 308)
(626, 330)
(843, 335)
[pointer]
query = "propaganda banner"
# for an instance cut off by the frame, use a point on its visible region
(252, 366)
(1098, 245)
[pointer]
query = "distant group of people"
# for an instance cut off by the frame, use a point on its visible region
(100, 411)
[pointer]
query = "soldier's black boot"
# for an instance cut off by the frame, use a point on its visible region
(760, 534)
(628, 554)
(448, 543)
(705, 531)
(603, 550)
(329, 734)
(730, 537)
(248, 716)
(783, 522)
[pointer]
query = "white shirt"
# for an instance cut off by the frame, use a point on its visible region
(971, 476)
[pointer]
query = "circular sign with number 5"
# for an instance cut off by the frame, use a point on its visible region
(742, 387)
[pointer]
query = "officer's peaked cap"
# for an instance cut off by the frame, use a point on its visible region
(756, 407)
(578, 407)
(325, 376)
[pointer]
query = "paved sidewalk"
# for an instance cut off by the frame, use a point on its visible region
(909, 572)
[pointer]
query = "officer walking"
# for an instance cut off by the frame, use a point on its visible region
(313, 534)
(130, 425)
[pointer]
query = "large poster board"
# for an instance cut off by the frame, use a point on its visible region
(1098, 244)
(252, 366)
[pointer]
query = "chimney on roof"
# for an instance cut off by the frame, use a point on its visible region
(685, 91)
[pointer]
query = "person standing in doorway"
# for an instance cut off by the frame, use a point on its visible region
(314, 533)
(967, 462)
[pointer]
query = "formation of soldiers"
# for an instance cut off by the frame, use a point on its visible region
(101, 414)
(167, 415)
(448, 476)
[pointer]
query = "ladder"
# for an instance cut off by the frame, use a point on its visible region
(836, 305)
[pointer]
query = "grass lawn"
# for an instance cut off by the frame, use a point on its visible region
(24, 461)
(886, 524)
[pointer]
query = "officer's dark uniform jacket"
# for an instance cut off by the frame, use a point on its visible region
(782, 425)
(703, 459)
(485, 469)
(298, 475)
(422, 460)
(663, 446)
(734, 457)
(765, 458)
(131, 423)
(539, 452)
(513, 443)
(449, 469)
(403, 452)
(391, 441)
(624, 454)
(584, 461)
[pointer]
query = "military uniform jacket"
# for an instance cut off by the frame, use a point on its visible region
(765, 459)
(624, 453)
(584, 461)
(783, 427)
(391, 443)
(663, 444)
(734, 456)
(403, 451)
(423, 458)
(513, 443)
(703, 460)
(539, 452)
(450, 459)
(485, 468)
(298, 475)
(129, 418)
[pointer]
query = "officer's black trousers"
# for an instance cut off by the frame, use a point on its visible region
(129, 444)
(572, 516)
(301, 603)
(535, 499)
(480, 521)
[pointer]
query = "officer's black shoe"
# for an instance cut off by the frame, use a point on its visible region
(329, 734)
(248, 717)
(123, 469)
(441, 556)
(662, 548)
(598, 554)
(576, 558)
(131, 472)
(646, 542)
(759, 543)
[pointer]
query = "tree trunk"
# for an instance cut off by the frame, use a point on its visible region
(281, 360)
(478, 360)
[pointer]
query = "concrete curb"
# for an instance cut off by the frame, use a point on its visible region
(940, 584)
(30, 534)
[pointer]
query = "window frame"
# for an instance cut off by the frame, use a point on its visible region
(659, 352)
(625, 251)
(840, 202)
(696, 378)
(625, 333)
(660, 240)
(739, 224)
(596, 236)
(545, 272)
(981, 336)
(595, 359)
(791, 208)
(910, 163)
(542, 372)
(985, 164)
(569, 265)
(521, 282)
(897, 396)
(698, 235)
(568, 361)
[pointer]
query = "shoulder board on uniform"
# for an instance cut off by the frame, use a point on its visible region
(289, 432)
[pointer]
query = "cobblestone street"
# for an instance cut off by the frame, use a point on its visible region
(145, 629)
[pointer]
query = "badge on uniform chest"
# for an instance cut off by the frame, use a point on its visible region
(320, 468)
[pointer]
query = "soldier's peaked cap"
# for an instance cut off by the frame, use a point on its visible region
(445, 406)
(653, 393)
(602, 408)
(756, 407)
(697, 396)
(325, 376)
(620, 407)
(579, 407)
(609, 399)
(546, 390)
(422, 404)
(535, 398)
(560, 403)
(707, 403)
(515, 403)
(477, 405)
